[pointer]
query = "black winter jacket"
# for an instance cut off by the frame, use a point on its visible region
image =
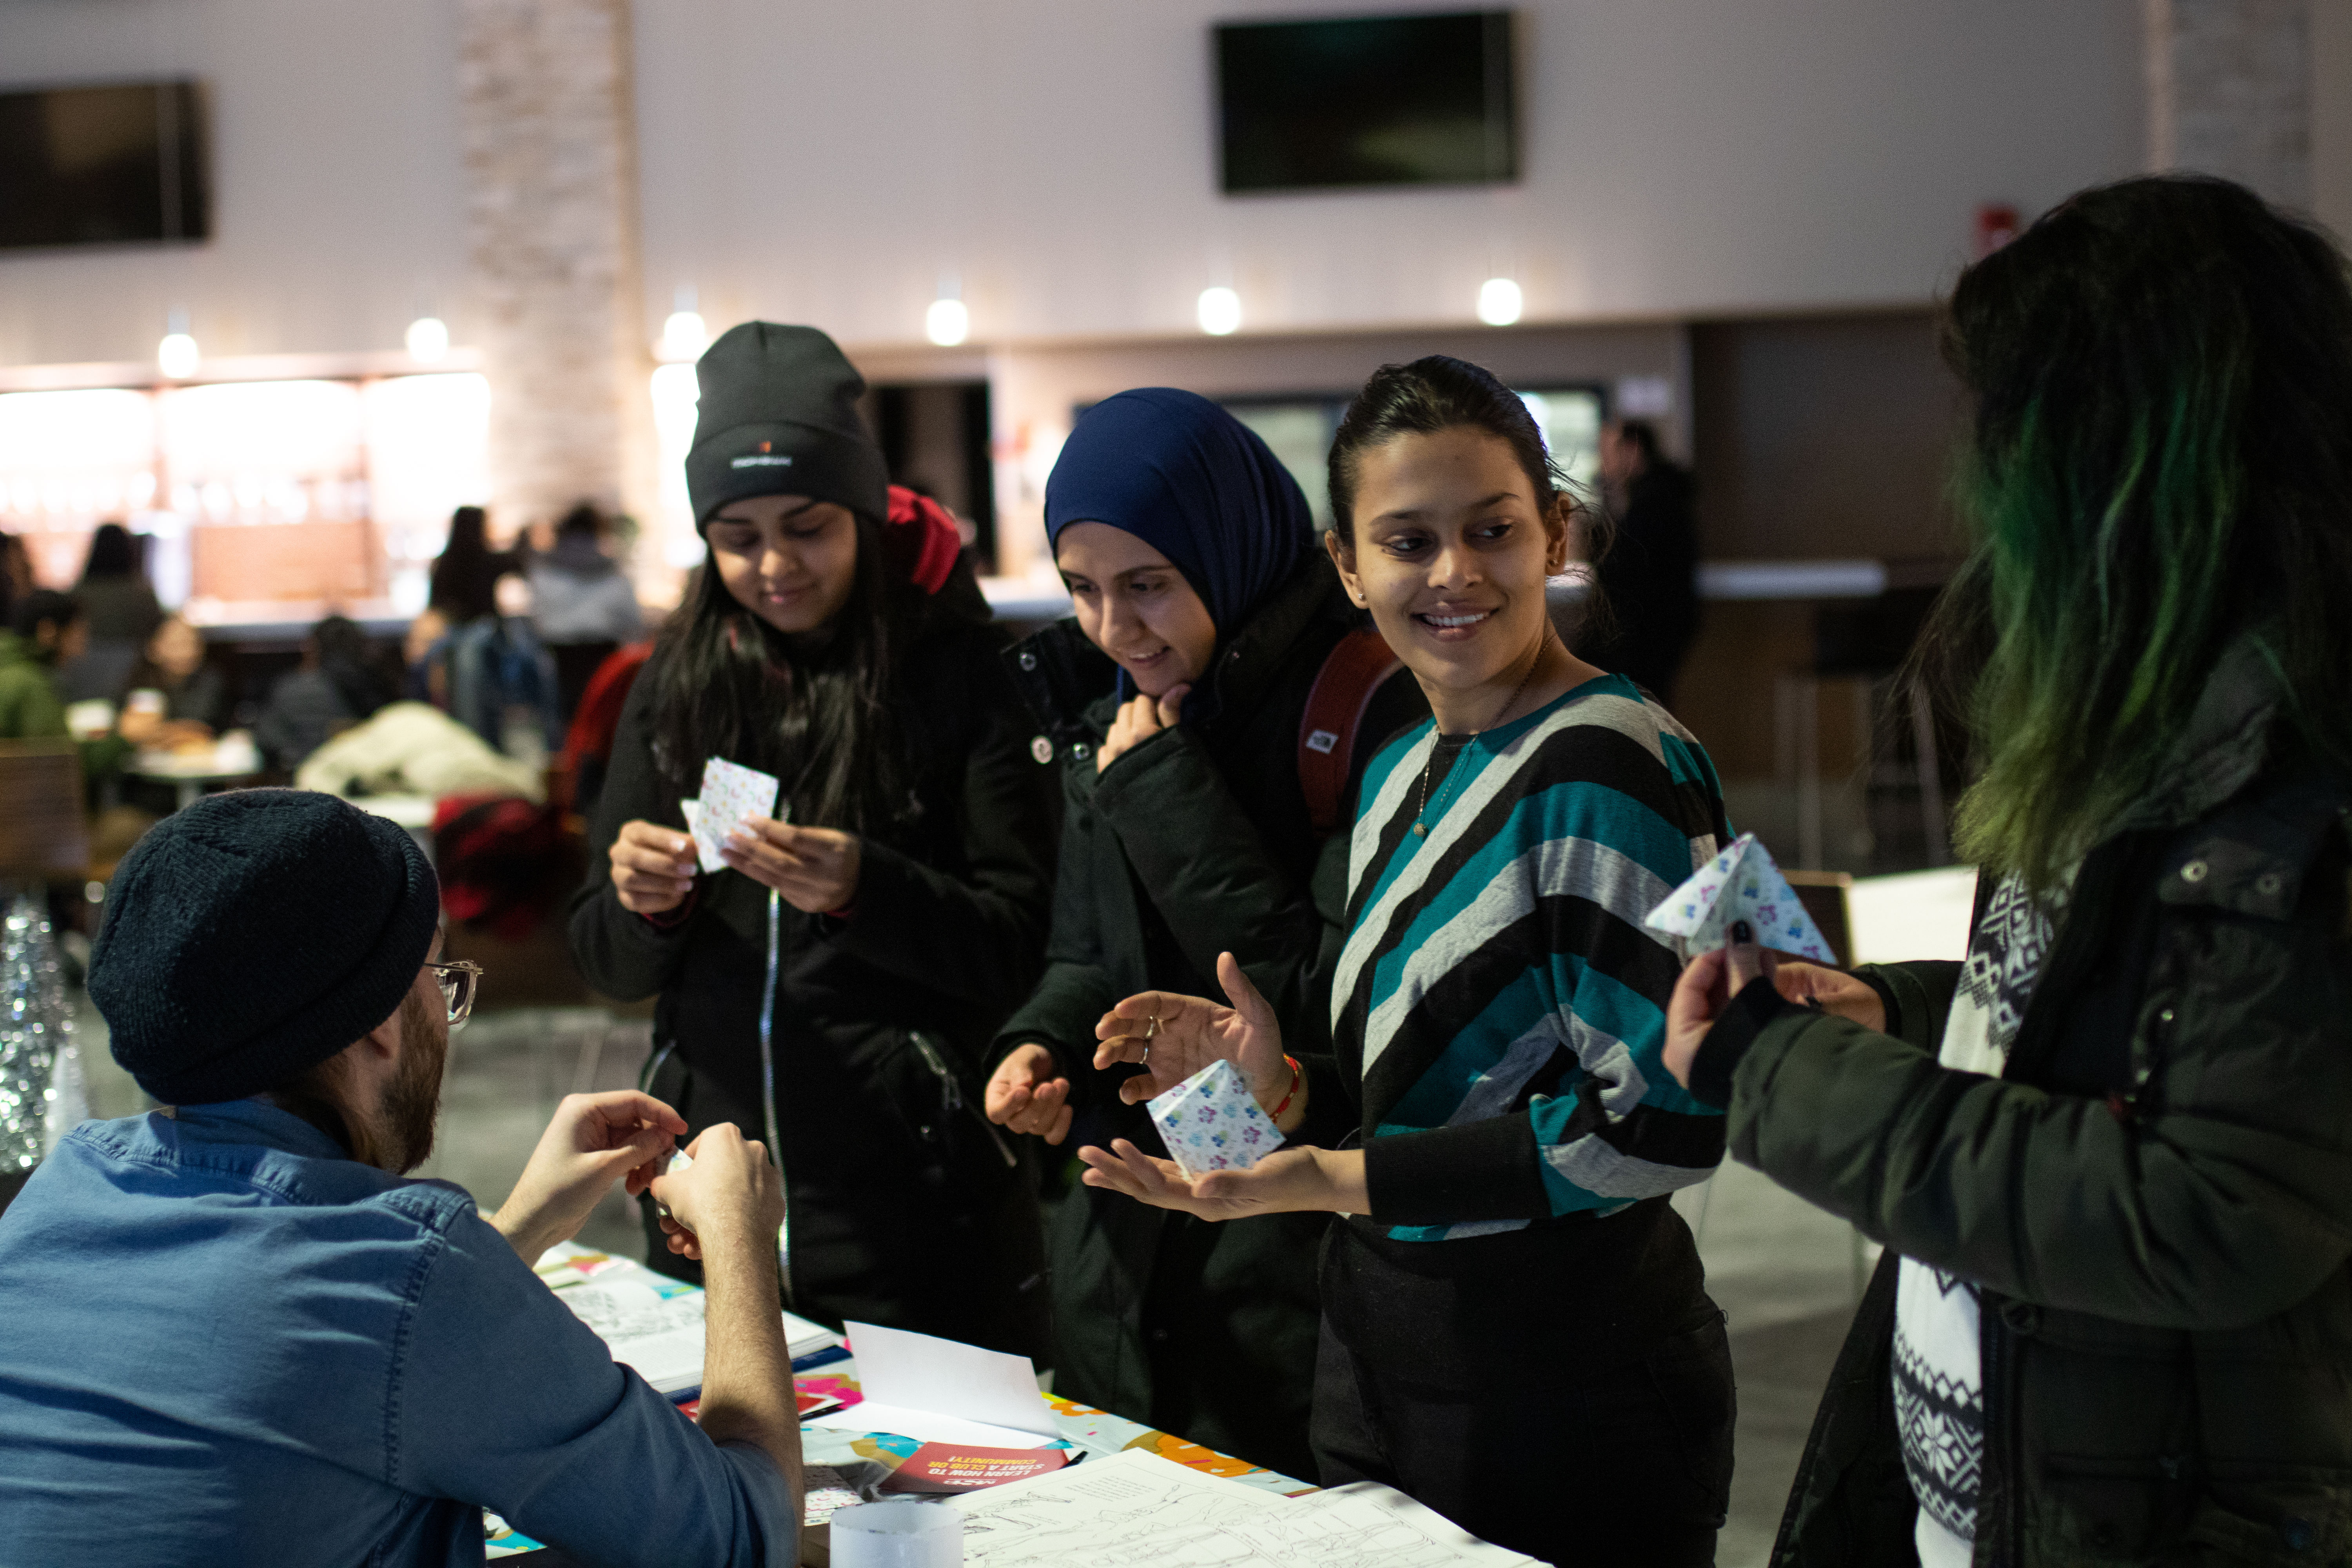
(2156, 1198)
(907, 1209)
(1195, 842)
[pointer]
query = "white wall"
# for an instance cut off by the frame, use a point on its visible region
(338, 210)
(819, 162)
(829, 164)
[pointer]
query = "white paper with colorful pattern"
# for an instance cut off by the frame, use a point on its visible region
(1210, 1121)
(1741, 884)
(729, 794)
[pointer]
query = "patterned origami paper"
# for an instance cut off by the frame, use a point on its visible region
(1210, 1121)
(1741, 884)
(729, 794)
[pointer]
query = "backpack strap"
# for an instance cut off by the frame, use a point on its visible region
(1356, 667)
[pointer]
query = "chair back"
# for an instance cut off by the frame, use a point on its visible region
(44, 837)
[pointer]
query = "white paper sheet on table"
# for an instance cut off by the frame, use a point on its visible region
(942, 1392)
(1138, 1507)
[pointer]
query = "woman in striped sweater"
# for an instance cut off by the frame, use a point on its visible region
(1516, 1329)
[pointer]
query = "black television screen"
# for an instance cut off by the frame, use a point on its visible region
(120, 164)
(1375, 100)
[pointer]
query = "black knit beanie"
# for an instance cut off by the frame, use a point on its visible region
(255, 934)
(778, 417)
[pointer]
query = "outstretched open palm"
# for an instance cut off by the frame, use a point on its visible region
(1174, 1037)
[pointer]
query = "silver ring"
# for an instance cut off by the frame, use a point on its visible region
(1146, 1051)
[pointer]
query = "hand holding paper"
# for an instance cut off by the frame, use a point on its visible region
(729, 794)
(1741, 884)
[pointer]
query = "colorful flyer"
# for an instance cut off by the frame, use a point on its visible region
(1741, 884)
(952, 1467)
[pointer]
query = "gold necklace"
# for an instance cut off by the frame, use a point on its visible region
(1418, 829)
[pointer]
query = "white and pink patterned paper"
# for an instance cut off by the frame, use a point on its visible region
(729, 794)
(1741, 884)
(1210, 1121)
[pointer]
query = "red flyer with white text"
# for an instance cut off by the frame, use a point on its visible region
(952, 1467)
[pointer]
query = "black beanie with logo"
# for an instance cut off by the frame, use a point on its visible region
(778, 417)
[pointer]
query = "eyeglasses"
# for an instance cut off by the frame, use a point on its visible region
(458, 981)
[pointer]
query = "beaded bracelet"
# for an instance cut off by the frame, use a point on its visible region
(1292, 1092)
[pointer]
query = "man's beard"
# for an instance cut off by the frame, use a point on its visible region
(411, 1102)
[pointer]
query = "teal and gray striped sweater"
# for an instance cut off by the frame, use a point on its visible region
(1499, 998)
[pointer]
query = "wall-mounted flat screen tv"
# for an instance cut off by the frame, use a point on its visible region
(119, 164)
(1374, 101)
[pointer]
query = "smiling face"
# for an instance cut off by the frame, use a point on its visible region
(1448, 547)
(789, 560)
(1134, 604)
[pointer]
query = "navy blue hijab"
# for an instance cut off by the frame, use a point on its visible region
(1193, 482)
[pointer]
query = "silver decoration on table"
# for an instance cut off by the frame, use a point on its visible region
(36, 1028)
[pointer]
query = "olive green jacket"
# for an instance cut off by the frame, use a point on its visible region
(2155, 1199)
(29, 708)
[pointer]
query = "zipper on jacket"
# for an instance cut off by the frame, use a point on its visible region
(768, 1096)
(952, 1093)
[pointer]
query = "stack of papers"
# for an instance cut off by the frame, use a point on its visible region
(651, 1322)
(939, 1390)
(1139, 1508)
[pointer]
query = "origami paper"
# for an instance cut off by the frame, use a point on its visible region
(729, 794)
(1210, 1121)
(1741, 884)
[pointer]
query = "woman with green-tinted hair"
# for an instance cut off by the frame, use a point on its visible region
(2110, 1154)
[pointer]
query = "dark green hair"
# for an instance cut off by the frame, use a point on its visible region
(2160, 458)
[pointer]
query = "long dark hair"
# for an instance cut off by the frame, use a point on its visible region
(1442, 392)
(112, 554)
(2160, 458)
(464, 582)
(818, 716)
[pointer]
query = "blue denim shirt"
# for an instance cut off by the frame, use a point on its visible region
(223, 1341)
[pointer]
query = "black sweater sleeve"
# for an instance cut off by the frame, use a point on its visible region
(623, 954)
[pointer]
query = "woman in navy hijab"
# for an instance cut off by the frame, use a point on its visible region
(1199, 811)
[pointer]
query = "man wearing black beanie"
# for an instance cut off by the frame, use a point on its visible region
(236, 1335)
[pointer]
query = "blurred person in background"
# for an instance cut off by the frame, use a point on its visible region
(15, 574)
(114, 592)
(1648, 571)
(837, 980)
(339, 685)
(464, 583)
(1187, 832)
(44, 630)
(582, 604)
(124, 614)
(172, 696)
(425, 678)
(2110, 1154)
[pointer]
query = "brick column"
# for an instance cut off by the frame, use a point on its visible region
(2228, 91)
(548, 138)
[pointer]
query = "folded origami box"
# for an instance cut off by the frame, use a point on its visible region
(1210, 1121)
(1741, 884)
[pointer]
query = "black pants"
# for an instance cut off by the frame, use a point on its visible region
(1580, 1438)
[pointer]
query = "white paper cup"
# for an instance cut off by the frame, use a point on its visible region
(897, 1535)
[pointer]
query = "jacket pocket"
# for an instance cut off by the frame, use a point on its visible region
(2105, 1510)
(2293, 1515)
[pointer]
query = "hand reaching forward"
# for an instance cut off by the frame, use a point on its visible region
(1028, 1093)
(1174, 1037)
(1284, 1181)
(593, 1141)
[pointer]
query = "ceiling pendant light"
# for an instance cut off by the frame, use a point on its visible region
(429, 340)
(1220, 311)
(1499, 301)
(177, 354)
(947, 322)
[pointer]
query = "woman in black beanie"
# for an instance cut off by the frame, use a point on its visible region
(834, 990)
